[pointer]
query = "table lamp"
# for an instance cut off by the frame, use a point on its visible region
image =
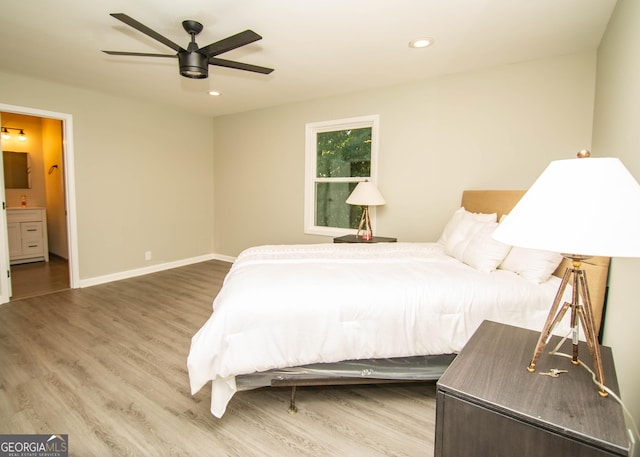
(365, 194)
(580, 208)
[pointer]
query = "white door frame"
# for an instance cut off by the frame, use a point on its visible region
(70, 200)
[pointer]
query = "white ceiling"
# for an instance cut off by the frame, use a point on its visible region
(317, 48)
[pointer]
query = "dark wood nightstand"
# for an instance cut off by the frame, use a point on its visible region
(487, 403)
(353, 239)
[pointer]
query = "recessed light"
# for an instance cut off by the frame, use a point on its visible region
(215, 93)
(420, 42)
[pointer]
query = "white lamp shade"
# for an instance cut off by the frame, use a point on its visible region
(585, 206)
(366, 194)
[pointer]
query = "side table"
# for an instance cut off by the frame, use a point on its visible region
(353, 239)
(487, 403)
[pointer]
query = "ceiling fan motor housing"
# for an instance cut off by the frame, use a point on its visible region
(193, 64)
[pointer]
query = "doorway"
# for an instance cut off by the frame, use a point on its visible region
(52, 190)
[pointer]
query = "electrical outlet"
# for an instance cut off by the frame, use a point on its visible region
(147, 255)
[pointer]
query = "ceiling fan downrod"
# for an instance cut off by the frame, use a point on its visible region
(192, 63)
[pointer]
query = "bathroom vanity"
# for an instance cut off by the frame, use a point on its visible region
(27, 230)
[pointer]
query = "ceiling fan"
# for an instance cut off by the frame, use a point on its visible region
(194, 61)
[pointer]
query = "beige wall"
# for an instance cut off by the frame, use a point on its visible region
(616, 133)
(52, 141)
(496, 128)
(143, 175)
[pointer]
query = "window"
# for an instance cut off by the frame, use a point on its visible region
(339, 154)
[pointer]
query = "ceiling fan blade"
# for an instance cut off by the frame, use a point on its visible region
(229, 43)
(146, 30)
(139, 54)
(239, 65)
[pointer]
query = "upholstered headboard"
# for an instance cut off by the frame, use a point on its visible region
(596, 268)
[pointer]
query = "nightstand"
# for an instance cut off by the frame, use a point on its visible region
(353, 239)
(487, 403)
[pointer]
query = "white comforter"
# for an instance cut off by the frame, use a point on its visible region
(291, 305)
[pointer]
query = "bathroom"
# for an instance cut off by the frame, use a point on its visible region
(41, 192)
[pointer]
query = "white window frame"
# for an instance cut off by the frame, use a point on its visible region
(311, 142)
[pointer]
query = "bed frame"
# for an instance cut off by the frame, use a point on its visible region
(429, 368)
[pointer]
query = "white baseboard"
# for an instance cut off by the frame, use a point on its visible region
(152, 269)
(224, 258)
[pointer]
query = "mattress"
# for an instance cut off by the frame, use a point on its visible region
(291, 305)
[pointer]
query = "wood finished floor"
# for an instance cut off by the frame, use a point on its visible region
(38, 278)
(107, 366)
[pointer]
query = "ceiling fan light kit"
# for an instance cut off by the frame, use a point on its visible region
(194, 61)
(193, 65)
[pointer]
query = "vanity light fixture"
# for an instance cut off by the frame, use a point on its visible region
(6, 135)
(214, 93)
(421, 42)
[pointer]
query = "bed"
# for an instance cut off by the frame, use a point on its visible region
(361, 313)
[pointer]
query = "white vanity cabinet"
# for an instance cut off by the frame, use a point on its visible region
(27, 230)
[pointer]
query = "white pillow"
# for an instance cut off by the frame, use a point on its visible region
(461, 217)
(532, 264)
(459, 238)
(482, 252)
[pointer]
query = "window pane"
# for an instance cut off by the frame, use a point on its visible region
(338, 154)
(344, 153)
(331, 207)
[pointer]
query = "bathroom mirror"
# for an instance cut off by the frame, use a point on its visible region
(17, 170)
